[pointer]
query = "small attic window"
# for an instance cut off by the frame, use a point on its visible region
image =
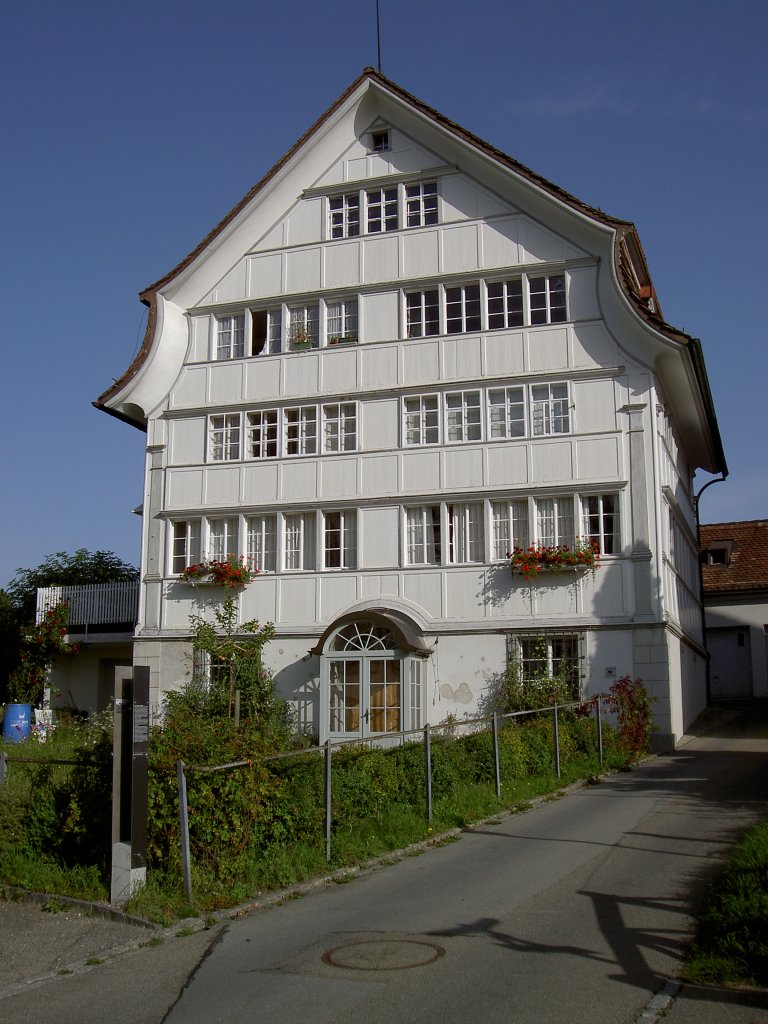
(380, 141)
(719, 554)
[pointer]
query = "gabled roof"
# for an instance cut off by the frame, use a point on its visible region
(745, 568)
(629, 258)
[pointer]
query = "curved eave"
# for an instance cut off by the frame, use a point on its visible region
(638, 289)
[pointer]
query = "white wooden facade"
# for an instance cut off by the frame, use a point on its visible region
(401, 354)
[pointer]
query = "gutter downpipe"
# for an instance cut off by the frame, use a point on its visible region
(696, 498)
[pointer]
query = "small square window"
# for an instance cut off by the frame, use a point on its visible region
(380, 141)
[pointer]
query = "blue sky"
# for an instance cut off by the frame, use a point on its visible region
(129, 130)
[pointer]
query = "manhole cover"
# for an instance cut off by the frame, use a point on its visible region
(383, 954)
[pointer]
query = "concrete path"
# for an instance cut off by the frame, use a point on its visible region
(576, 911)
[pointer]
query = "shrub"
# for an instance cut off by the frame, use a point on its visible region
(633, 706)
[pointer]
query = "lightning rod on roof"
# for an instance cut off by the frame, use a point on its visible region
(378, 38)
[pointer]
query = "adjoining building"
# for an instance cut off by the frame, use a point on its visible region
(735, 578)
(400, 357)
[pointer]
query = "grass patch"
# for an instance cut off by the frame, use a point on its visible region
(731, 944)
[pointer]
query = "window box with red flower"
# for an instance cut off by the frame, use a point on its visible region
(232, 574)
(538, 558)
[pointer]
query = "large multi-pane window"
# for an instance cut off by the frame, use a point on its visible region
(506, 412)
(230, 337)
(422, 535)
(505, 304)
(303, 326)
(262, 434)
(301, 430)
(381, 209)
(185, 542)
(547, 299)
(462, 309)
(223, 538)
(555, 521)
(340, 539)
(463, 416)
(600, 522)
(465, 532)
(421, 420)
(344, 215)
(549, 655)
(261, 549)
(421, 204)
(509, 527)
(340, 427)
(422, 313)
(533, 410)
(299, 540)
(341, 321)
(224, 437)
(550, 409)
(266, 328)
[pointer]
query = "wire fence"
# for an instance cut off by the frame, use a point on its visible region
(424, 736)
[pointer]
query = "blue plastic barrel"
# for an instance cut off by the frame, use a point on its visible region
(17, 722)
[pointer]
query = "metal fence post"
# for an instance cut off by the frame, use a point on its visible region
(3, 768)
(184, 823)
(495, 732)
(557, 742)
(328, 800)
(428, 771)
(598, 708)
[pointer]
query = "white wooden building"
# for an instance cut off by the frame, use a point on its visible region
(402, 354)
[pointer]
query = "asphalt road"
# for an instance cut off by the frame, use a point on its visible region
(579, 910)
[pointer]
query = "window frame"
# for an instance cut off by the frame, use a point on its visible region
(234, 333)
(345, 217)
(340, 525)
(345, 417)
(301, 435)
(224, 437)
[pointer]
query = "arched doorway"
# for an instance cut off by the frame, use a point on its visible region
(373, 676)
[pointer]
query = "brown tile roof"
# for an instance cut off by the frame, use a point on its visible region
(747, 565)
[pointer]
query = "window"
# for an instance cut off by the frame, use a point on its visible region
(462, 309)
(548, 656)
(262, 542)
(303, 326)
(262, 434)
(380, 141)
(463, 416)
(222, 538)
(344, 215)
(230, 337)
(185, 544)
(550, 409)
(224, 437)
(600, 522)
(421, 204)
(301, 430)
(506, 412)
(465, 532)
(422, 313)
(266, 331)
(510, 530)
(547, 298)
(340, 540)
(505, 304)
(341, 321)
(299, 529)
(422, 532)
(381, 208)
(554, 521)
(421, 420)
(340, 427)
